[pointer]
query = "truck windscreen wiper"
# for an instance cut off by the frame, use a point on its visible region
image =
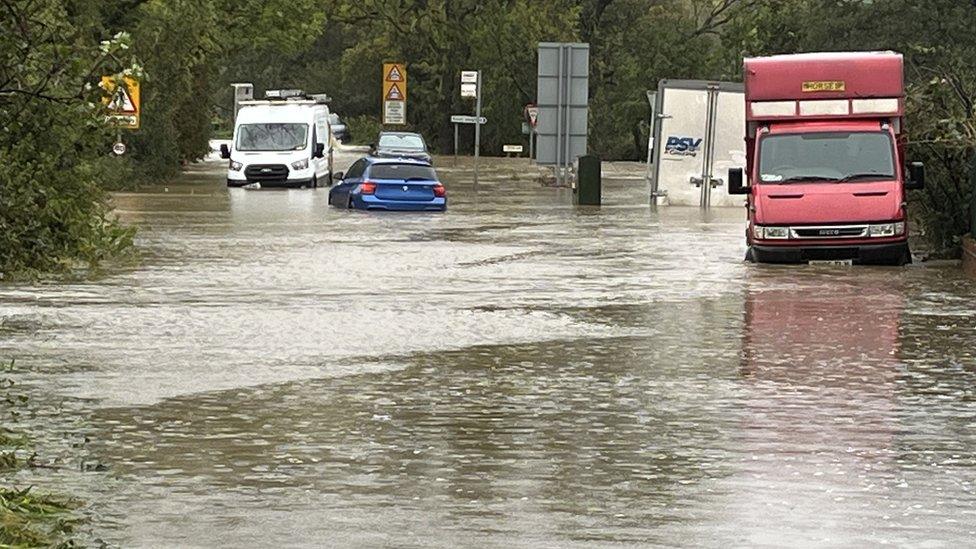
(856, 176)
(801, 178)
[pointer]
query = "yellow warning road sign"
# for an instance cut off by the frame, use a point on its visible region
(122, 102)
(394, 74)
(394, 93)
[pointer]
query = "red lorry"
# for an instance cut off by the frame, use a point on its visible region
(824, 176)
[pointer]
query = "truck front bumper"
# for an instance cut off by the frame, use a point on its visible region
(892, 253)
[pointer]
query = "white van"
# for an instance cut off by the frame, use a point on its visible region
(282, 141)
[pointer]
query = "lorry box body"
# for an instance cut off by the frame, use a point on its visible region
(824, 158)
(696, 138)
(281, 143)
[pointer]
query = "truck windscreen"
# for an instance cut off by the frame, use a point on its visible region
(826, 157)
(271, 137)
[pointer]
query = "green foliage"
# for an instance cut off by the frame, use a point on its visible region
(363, 129)
(53, 150)
(28, 519)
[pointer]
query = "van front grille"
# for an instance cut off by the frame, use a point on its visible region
(266, 172)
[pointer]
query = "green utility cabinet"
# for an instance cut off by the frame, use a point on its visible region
(589, 186)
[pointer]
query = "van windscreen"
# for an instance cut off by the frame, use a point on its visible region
(271, 137)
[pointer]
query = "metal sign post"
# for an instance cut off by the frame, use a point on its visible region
(477, 130)
(471, 87)
(455, 143)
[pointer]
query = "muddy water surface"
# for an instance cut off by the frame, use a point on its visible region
(515, 372)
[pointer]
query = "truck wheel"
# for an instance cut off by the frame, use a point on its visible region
(315, 182)
(750, 256)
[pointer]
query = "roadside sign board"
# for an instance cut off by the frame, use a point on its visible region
(122, 102)
(532, 115)
(512, 148)
(118, 149)
(466, 119)
(394, 93)
(469, 77)
(562, 93)
(469, 90)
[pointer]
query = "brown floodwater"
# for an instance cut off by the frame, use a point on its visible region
(514, 372)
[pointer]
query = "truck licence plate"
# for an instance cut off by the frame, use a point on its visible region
(834, 262)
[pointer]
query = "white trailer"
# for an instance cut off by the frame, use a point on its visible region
(697, 136)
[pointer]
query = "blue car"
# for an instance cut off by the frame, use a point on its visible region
(389, 184)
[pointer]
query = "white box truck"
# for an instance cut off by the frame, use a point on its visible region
(284, 140)
(697, 137)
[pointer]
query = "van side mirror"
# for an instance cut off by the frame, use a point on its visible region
(916, 176)
(319, 150)
(224, 151)
(339, 176)
(735, 182)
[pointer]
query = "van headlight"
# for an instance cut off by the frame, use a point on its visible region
(300, 165)
(234, 166)
(771, 233)
(886, 229)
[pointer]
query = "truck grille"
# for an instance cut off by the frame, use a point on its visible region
(266, 172)
(822, 233)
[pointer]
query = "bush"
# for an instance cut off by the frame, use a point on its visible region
(363, 129)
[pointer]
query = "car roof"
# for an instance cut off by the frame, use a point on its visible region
(402, 133)
(413, 161)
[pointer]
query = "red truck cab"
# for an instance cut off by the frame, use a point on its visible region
(824, 159)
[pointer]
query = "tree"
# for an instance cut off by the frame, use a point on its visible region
(55, 143)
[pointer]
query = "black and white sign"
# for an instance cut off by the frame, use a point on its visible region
(466, 119)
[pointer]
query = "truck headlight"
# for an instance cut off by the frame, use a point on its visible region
(771, 233)
(234, 166)
(300, 165)
(886, 229)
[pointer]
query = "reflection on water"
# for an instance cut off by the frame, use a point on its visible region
(514, 372)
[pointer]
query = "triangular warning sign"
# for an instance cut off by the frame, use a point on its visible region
(394, 94)
(394, 75)
(122, 103)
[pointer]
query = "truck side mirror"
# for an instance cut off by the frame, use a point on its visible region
(319, 150)
(224, 151)
(735, 182)
(916, 176)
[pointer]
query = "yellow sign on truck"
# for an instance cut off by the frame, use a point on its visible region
(122, 101)
(394, 93)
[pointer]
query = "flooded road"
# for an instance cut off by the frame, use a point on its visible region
(515, 372)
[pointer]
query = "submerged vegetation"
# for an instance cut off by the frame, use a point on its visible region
(28, 518)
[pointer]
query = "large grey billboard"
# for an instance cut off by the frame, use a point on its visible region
(562, 95)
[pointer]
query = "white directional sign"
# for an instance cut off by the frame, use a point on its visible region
(469, 90)
(512, 148)
(465, 119)
(469, 77)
